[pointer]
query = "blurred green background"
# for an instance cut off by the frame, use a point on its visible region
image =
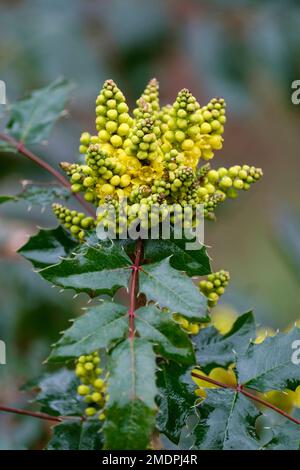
(245, 51)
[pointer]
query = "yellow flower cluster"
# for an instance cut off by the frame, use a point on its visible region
(93, 384)
(153, 157)
(212, 287)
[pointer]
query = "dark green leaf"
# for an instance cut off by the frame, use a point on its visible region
(269, 365)
(32, 119)
(193, 262)
(97, 328)
(57, 393)
(176, 399)
(132, 390)
(76, 436)
(286, 435)
(129, 427)
(43, 194)
(174, 290)
(7, 199)
(214, 349)
(158, 327)
(6, 148)
(48, 247)
(226, 422)
(101, 269)
(39, 194)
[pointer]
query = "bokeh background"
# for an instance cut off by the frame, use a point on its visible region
(245, 51)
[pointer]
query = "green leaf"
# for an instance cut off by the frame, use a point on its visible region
(4, 199)
(158, 327)
(57, 393)
(76, 436)
(132, 390)
(174, 290)
(47, 247)
(31, 120)
(214, 349)
(98, 328)
(269, 365)
(7, 148)
(39, 194)
(176, 399)
(193, 262)
(226, 422)
(101, 269)
(43, 194)
(286, 435)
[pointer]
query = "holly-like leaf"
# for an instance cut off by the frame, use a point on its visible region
(47, 247)
(174, 290)
(43, 194)
(132, 390)
(31, 120)
(286, 435)
(101, 269)
(193, 262)
(57, 393)
(39, 194)
(226, 422)
(271, 365)
(176, 399)
(214, 349)
(158, 327)
(76, 436)
(98, 328)
(4, 199)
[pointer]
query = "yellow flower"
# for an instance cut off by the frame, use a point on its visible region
(145, 175)
(285, 400)
(226, 376)
(223, 318)
(262, 333)
(132, 164)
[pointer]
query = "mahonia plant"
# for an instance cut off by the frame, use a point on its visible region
(168, 356)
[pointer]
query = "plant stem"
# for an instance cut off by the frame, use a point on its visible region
(240, 389)
(20, 147)
(18, 411)
(133, 286)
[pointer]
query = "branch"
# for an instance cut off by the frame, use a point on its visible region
(133, 286)
(240, 389)
(20, 147)
(31, 413)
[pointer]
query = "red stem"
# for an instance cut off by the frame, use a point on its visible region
(240, 389)
(31, 413)
(133, 286)
(20, 147)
